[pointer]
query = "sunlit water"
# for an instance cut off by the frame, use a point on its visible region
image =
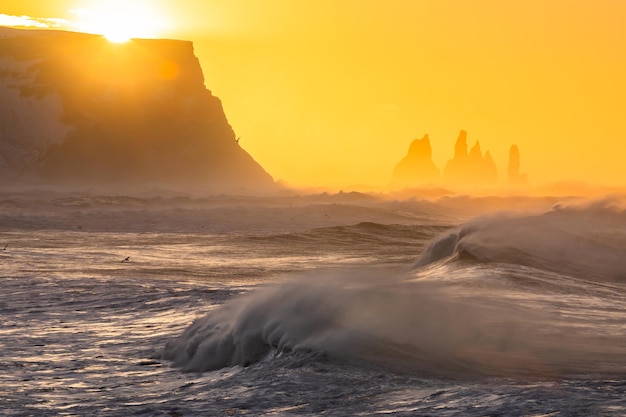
(404, 316)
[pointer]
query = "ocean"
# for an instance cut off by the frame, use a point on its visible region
(341, 304)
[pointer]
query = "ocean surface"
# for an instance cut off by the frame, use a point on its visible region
(322, 305)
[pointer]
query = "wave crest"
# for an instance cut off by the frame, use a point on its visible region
(419, 327)
(455, 318)
(587, 242)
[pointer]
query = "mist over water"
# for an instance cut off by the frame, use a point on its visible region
(345, 304)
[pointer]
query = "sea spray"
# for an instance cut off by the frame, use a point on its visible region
(419, 326)
(83, 331)
(588, 242)
(509, 310)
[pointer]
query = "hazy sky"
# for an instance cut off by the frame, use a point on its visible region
(332, 92)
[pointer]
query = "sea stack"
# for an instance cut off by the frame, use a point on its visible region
(417, 167)
(515, 178)
(470, 169)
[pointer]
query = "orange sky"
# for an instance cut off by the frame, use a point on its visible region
(331, 92)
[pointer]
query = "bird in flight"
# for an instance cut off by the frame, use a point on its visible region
(127, 259)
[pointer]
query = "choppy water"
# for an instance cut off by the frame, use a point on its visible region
(309, 306)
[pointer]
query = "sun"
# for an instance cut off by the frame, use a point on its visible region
(121, 20)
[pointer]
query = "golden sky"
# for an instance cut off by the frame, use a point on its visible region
(332, 92)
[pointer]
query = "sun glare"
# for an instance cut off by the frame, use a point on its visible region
(119, 21)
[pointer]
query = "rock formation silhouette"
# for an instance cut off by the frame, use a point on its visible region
(465, 169)
(417, 167)
(470, 169)
(515, 178)
(454, 170)
(77, 109)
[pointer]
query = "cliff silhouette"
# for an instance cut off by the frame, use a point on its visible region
(77, 109)
(465, 169)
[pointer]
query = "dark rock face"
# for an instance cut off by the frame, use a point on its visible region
(417, 167)
(77, 109)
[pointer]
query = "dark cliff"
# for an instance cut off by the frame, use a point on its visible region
(77, 109)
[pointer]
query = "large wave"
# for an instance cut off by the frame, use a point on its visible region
(586, 241)
(448, 317)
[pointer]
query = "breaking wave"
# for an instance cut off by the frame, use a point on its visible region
(448, 317)
(588, 242)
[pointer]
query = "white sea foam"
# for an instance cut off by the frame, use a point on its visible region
(82, 332)
(499, 316)
(419, 327)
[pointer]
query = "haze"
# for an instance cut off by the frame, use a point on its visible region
(327, 93)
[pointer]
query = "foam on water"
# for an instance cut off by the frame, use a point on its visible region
(84, 333)
(414, 327)
(537, 302)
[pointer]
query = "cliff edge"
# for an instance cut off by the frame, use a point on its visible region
(77, 109)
